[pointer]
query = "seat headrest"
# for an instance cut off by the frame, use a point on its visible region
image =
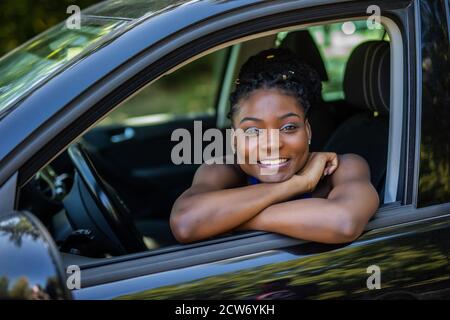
(302, 44)
(367, 77)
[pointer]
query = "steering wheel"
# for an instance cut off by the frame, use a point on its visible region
(94, 205)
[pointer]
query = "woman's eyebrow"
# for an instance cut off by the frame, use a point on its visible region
(290, 114)
(249, 119)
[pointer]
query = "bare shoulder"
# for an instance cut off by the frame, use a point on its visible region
(351, 167)
(216, 176)
(222, 174)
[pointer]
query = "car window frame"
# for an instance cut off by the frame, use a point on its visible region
(396, 114)
(392, 214)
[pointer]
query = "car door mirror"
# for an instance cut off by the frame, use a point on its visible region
(30, 267)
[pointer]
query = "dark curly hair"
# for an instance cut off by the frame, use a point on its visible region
(277, 68)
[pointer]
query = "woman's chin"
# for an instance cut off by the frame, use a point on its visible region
(274, 178)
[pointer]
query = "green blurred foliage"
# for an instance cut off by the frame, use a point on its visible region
(23, 19)
(21, 289)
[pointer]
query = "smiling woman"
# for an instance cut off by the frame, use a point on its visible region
(275, 92)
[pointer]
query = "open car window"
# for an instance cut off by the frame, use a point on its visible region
(131, 147)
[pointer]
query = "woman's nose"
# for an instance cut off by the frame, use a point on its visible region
(271, 141)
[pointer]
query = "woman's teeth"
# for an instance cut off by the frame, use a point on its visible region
(273, 162)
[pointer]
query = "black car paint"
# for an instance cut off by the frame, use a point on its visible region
(413, 260)
(413, 257)
(434, 186)
(30, 265)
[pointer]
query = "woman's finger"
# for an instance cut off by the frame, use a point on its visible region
(332, 163)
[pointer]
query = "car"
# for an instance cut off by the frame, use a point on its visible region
(87, 117)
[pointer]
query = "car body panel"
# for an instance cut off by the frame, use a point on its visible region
(434, 183)
(413, 261)
(30, 266)
(132, 9)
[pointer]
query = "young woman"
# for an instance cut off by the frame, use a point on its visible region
(322, 196)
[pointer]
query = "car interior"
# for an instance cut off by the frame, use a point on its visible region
(124, 162)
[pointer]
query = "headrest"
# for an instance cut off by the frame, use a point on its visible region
(367, 77)
(302, 44)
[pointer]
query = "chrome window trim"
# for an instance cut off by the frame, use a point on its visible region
(8, 195)
(396, 112)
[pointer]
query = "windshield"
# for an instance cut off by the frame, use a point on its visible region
(35, 61)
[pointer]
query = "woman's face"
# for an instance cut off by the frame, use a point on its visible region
(271, 109)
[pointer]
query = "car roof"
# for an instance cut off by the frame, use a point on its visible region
(132, 9)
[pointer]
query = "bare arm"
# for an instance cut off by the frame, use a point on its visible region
(219, 200)
(340, 218)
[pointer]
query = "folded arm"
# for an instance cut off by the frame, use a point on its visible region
(339, 218)
(219, 201)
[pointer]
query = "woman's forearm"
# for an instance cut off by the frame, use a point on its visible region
(203, 215)
(319, 220)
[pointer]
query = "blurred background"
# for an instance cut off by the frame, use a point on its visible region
(23, 19)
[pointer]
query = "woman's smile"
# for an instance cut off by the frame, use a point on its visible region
(273, 162)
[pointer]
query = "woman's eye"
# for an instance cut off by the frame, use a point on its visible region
(289, 127)
(252, 131)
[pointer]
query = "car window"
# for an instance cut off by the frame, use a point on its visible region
(187, 92)
(336, 42)
(131, 147)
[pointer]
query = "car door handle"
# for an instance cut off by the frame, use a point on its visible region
(127, 134)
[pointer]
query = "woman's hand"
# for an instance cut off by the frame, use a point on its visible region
(318, 165)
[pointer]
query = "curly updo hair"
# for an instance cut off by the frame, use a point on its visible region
(277, 68)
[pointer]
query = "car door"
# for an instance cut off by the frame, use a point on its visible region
(403, 254)
(383, 264)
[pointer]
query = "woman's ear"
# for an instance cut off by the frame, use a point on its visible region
(308, 131)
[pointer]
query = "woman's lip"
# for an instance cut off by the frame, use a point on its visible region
(280, 165)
